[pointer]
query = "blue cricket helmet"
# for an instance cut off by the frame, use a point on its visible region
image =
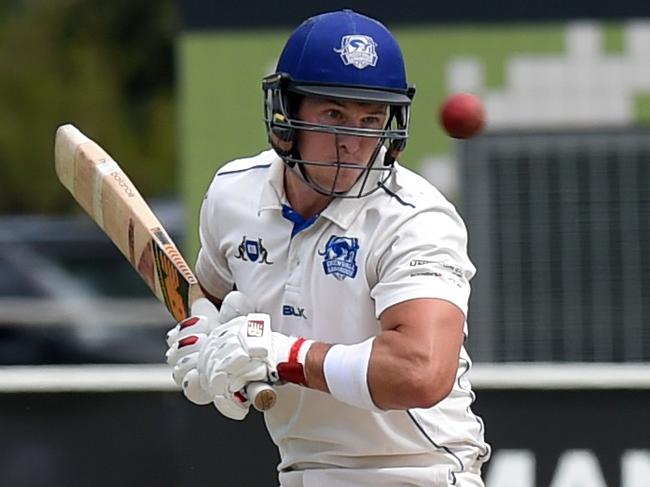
(346, 55)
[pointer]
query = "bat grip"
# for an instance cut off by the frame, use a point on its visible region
(261, 395)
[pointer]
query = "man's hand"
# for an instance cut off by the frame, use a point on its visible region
(187, 338)
(226, 365)
(245, 350)
(215, 356)
(185, 341)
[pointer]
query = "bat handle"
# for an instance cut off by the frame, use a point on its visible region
(261, 395)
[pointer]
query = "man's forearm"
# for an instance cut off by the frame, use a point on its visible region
(314, 366)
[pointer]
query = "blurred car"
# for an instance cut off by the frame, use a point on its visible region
(67, 295)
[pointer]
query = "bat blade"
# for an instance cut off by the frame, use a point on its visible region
(102, 188)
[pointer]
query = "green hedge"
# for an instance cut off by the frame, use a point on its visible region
(105, 66)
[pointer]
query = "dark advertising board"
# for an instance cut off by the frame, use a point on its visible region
(573, 428)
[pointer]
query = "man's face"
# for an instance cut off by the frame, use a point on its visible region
(323, 147)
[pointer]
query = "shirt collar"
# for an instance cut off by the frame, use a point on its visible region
(341, 211)
(273, 195)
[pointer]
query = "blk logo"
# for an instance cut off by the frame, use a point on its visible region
(288, 310)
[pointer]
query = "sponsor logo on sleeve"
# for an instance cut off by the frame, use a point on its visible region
(424, 267)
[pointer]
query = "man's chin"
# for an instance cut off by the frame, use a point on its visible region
(344, 186)
(345, 181)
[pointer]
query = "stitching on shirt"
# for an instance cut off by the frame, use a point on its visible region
(440, 447)
(395, 195)
(243, 170)
(469, 409)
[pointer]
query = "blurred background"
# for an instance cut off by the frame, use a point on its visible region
(555, 194)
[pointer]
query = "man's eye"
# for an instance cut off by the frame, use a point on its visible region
(372, 122)
(334, 114)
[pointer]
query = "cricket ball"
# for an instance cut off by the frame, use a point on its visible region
(462, 115)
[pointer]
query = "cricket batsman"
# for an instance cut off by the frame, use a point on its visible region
(342, 278)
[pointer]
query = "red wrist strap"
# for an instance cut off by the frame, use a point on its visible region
(292, 370)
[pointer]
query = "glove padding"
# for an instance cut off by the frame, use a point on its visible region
(214, 356)
(186, 339)
(245, 350)
(226, 365)
(289, 355)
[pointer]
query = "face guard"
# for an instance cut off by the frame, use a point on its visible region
(342, 56)
(282, 128)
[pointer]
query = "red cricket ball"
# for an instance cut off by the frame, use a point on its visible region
(462, 115)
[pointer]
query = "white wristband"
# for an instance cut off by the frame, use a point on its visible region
(346, 373)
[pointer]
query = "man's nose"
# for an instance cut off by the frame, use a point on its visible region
(348, 143)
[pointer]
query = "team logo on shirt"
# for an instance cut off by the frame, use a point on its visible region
(340, 257)
(253, 251)
(358, 50)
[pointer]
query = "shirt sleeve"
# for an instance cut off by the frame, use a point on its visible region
(212, 268)
(426, 257)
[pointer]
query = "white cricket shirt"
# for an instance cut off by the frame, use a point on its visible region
(330, 282)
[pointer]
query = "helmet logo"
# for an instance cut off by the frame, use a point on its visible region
(358, 50)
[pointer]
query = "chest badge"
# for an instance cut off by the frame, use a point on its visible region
(340, 257)
(253, 251)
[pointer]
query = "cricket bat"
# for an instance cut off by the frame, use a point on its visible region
(100, 186)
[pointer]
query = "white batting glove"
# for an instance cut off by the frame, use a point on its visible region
(288, 358)
(188, 336)
(184, 341)
(284, 355)
(245, 350)
(226, 367)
